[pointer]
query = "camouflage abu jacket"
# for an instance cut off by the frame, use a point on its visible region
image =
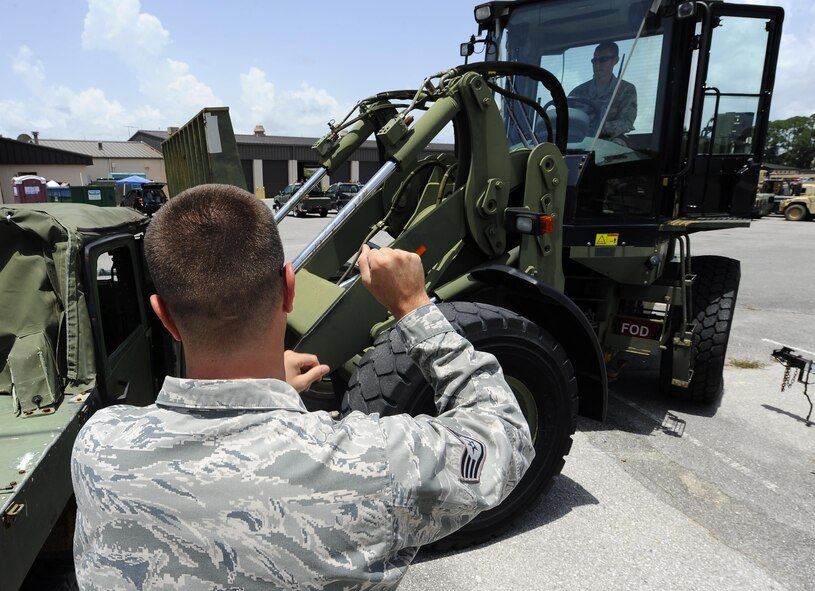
(232, 484)
(621, 114)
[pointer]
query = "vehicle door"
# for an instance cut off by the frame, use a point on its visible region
(738, 51)
(122, 334)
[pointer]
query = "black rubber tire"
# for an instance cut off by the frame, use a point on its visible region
(323, 212)
(535, 365)
(713, 295)
(795, 213)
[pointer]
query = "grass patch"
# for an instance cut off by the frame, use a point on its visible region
(747, 363)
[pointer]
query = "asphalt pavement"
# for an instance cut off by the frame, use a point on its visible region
(666, 494)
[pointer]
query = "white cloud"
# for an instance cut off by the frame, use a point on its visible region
(794, 92)
(91, 105)
(64, 113)
(140, 41)
(119, 26)
(168, 93)
(257, 97)
(62, 110)
(15, 119)
(302, 111)
(28, 67)
(308, 108)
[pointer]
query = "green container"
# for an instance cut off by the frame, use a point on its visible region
(204, 150)
(104, 196)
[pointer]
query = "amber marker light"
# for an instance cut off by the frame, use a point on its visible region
(546, 224)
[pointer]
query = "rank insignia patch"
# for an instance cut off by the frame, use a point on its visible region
(472, 458)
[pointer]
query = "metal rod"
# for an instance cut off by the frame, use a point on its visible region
(370, 187)
(297, 197)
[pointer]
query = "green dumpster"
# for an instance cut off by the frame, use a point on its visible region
(104, 196)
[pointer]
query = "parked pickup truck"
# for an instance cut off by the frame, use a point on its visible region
(315, 202)
(343, 193)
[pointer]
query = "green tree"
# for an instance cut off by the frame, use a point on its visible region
(791, 141)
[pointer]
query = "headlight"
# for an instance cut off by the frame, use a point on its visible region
(483, 13)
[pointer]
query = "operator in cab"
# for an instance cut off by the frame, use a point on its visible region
(599, 91)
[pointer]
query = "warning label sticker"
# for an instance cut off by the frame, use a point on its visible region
(606, 239)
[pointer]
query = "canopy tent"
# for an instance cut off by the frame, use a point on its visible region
(133, 180)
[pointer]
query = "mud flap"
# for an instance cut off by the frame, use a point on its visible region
(682, 366)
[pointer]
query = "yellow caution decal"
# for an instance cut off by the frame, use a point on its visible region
(606, 239)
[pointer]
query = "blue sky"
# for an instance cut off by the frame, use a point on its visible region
(100, 69)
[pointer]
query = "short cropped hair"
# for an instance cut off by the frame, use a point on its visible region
(608, 45)
(215, 257)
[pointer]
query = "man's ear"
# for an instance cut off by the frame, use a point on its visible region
(288, 288)
(160, 308)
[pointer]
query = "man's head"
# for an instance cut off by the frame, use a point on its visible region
(606, 56)
(216, 258)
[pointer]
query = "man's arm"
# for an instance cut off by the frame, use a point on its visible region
(624, 111)
(446, 469)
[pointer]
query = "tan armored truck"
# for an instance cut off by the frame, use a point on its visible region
(801, 205)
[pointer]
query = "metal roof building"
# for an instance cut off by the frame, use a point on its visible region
(270, 162)
(132, 157)
(20, 158)
(105, 149)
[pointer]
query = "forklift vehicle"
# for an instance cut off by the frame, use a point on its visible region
(547, 242)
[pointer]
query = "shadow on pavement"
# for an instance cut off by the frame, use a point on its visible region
(636, 404)
(789, 414)
(565, 495)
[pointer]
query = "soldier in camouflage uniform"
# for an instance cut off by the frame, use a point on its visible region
(228, 482)
(599, 92)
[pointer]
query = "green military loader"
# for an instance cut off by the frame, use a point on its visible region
(557, 235)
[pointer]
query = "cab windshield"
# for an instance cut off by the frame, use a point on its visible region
(607, 61)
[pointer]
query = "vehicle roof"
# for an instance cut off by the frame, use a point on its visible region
(78, 217)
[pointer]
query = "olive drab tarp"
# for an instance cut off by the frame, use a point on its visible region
(46, 343)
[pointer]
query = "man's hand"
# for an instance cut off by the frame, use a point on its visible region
(302, 370)
(395, 278)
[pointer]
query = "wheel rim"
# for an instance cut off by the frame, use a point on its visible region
(795, 213)
(526, 400)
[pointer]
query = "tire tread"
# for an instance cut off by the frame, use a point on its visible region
(475, 322)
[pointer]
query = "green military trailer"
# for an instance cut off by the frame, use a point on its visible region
(76, 334)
